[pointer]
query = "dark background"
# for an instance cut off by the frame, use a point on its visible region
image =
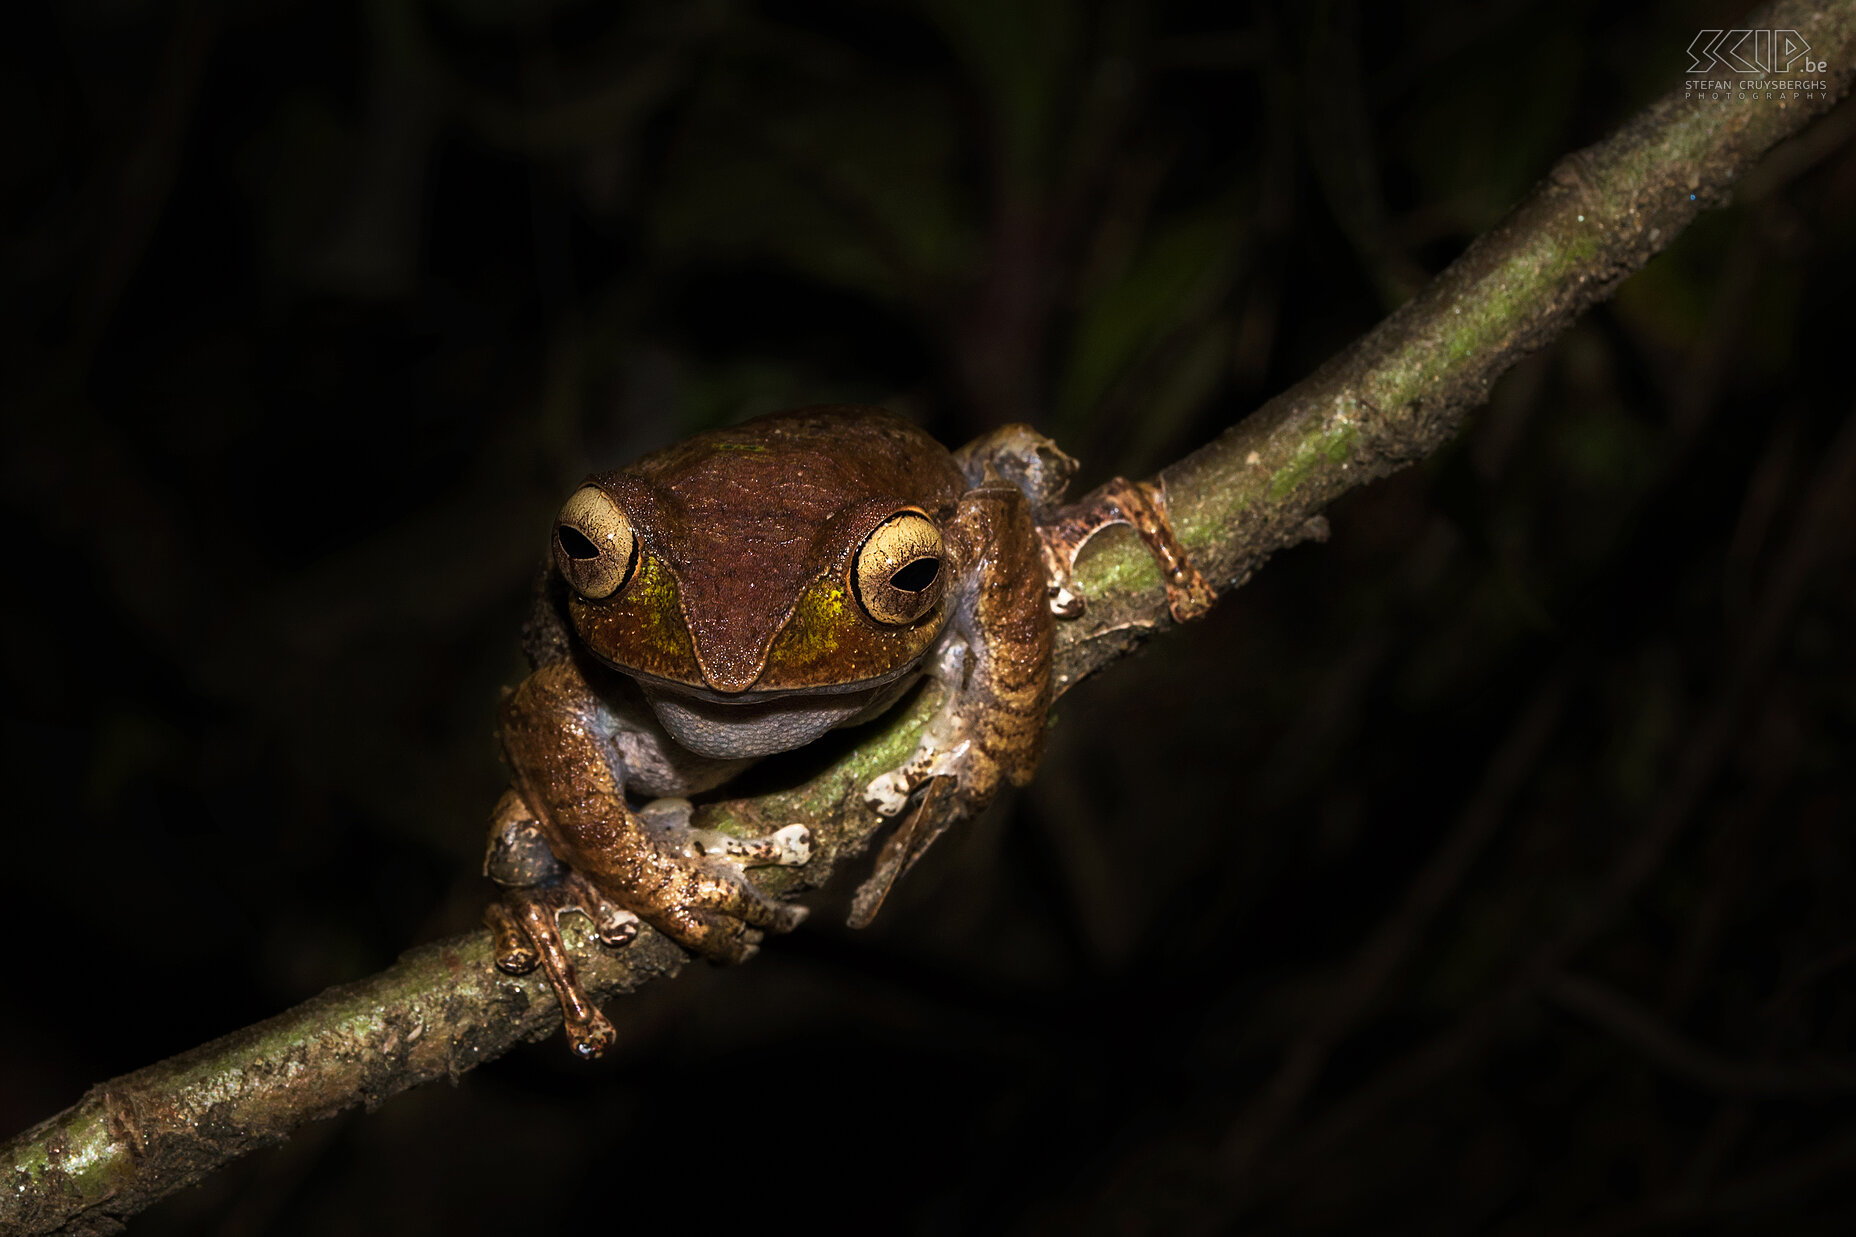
(1516, 819)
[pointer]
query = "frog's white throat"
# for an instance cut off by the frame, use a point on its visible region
(728, 731)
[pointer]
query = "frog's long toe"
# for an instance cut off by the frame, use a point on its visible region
(527, 931)
(515, 954)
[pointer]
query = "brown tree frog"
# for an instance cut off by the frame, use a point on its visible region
(741, 594)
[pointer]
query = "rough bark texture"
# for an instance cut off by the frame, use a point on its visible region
(1394, 396)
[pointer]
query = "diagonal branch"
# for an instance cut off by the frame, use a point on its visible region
(1395, 395)
(1616, 1013)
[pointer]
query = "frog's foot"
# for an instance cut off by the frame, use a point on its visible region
(889, 794)
(944, 749)
(709, 908)
(693, 888)
(941, 755)
(947, 777)
(685, 882)
(790, 847)
(1142, 506)
(935, 811)
(1018, 456)
(527, 930)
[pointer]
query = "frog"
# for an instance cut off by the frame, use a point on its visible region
(739, 595)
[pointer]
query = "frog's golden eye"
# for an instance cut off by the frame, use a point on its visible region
(593, 544)
(899, 574)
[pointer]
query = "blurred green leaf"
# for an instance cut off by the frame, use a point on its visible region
(1185, 267)
(860, 195)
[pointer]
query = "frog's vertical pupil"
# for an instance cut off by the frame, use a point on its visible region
(577, 544)
(916, 576)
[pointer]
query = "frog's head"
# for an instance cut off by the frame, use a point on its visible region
(790, 569)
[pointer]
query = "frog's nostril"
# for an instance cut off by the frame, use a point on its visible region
(916, 576)
(576, 543)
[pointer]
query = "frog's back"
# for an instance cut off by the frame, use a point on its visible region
(803, 466)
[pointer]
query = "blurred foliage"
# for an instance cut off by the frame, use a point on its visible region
(315, 312)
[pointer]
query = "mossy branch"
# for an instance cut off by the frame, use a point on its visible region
(1395, 395)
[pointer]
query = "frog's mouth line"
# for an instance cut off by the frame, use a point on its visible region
(761, 695)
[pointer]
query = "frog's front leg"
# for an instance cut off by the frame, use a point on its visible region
(1020, 456)
(996, 666)
(614, 863)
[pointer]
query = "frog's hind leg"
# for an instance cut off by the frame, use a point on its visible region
(526, 924)
(569, 810)
(526, 921)
(710, 907)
